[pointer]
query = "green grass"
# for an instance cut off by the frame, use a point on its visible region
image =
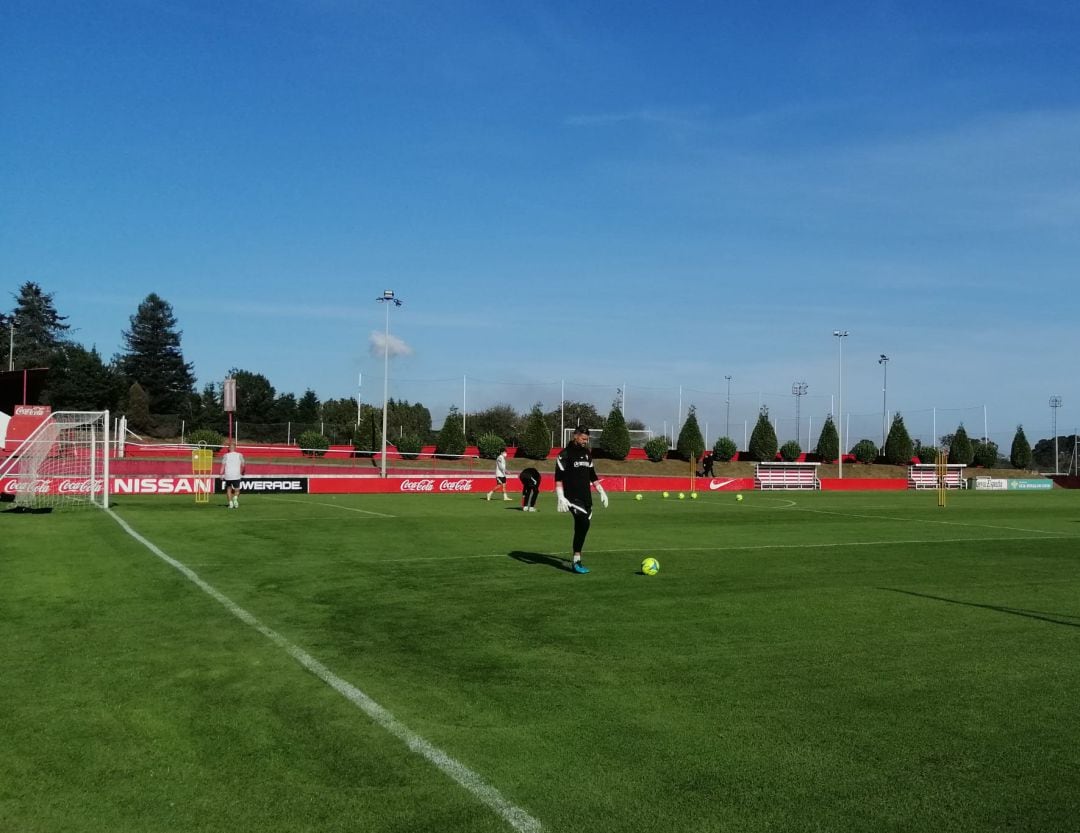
(803, 662)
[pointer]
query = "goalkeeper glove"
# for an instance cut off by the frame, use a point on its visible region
(603, 495)
(563, 503)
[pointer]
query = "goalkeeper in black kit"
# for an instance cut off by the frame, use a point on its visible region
(574, 478)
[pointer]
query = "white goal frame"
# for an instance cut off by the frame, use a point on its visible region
(63, 463)
(638, 437)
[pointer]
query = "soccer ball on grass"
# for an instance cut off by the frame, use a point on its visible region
(650, 566)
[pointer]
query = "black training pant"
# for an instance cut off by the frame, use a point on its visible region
(582, 522)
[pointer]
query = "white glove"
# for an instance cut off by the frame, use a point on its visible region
(603, 495)
(563, 503)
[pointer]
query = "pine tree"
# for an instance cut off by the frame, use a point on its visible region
(960, 449)
(691, 445)
(1020, 454)
(39, 328)
(154, 359)
(536, 440)
(138, 408)
(451, 442)
(307, 409)
(615, 440)
(899, 449)
(763, 443)
(80, 381)
(828, 444)
(210, 413)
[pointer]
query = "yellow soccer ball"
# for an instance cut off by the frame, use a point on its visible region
(667, 494)
(738, 498)
(682, 496)
(650, 566)
(693, 496)
(639, 496)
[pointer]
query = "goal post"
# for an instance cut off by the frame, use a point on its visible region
(638, 438)
(63, 463)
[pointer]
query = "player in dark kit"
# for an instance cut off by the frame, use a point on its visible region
(574, 477)
(530, 489)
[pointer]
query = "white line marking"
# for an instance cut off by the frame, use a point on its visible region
(334, 506)
(471, 781)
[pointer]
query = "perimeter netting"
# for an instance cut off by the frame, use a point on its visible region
(63, 463)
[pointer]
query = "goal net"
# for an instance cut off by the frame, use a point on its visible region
(63, 463)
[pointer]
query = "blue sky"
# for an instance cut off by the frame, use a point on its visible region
(572, 195)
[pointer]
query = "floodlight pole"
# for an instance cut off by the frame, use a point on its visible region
(359, 388)
(798, 390)
(11, 343)
(840, 336)
(727, 417)
(1055, 403)
(884, 362)
(388, 298)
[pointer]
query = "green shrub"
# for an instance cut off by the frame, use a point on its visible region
(828, 444)
(690, 445)
(490, 446)
(865, 451)
(536, 439)
(656, 449)
(615, 440)
(451, 442)
(763, 441)
(409, 446)
(926, 453)
(898, 449)
(207, 437)
(1020, 454)
(725, 449)
(985, 454)
(790, 451)
(960, 449)
(313, 444)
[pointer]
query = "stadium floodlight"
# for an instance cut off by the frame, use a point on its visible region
(388, 298)
(840, 335)
(798, 390)
(883, 360)
(1055, 403)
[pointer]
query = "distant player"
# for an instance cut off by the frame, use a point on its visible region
(530, 489)
(232, 469)
(706, 465)
(500, 475)
(574, 477)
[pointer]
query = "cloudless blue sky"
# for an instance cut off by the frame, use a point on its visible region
(654, 195)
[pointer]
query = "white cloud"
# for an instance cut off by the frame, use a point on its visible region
(380, 345)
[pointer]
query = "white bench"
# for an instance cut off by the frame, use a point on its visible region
(925, 476)
(786, 476)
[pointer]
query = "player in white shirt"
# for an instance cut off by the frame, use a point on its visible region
(232, 469)
(500, 475)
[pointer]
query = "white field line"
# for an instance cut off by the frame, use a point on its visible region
(333, 506)
(516, 817)
(742, 547)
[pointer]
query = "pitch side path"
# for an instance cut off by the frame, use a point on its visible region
(802, 661)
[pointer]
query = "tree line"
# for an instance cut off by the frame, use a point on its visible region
(150, 382)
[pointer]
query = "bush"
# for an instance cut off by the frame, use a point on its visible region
(690, 445)
(451, 442)
(615, 440)
(865, 451)
(926, 453)
(490, 446)
(656, 449)
(725, 449)
(898, 449)
(986, 454)
(1020, 454)
(536, 439)
(313, 444)
(960, 449)
(790, 451)
(828, 444)
(763, 441)
(207, 437)
(409, 446)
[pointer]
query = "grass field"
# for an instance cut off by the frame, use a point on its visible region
(803, 662)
